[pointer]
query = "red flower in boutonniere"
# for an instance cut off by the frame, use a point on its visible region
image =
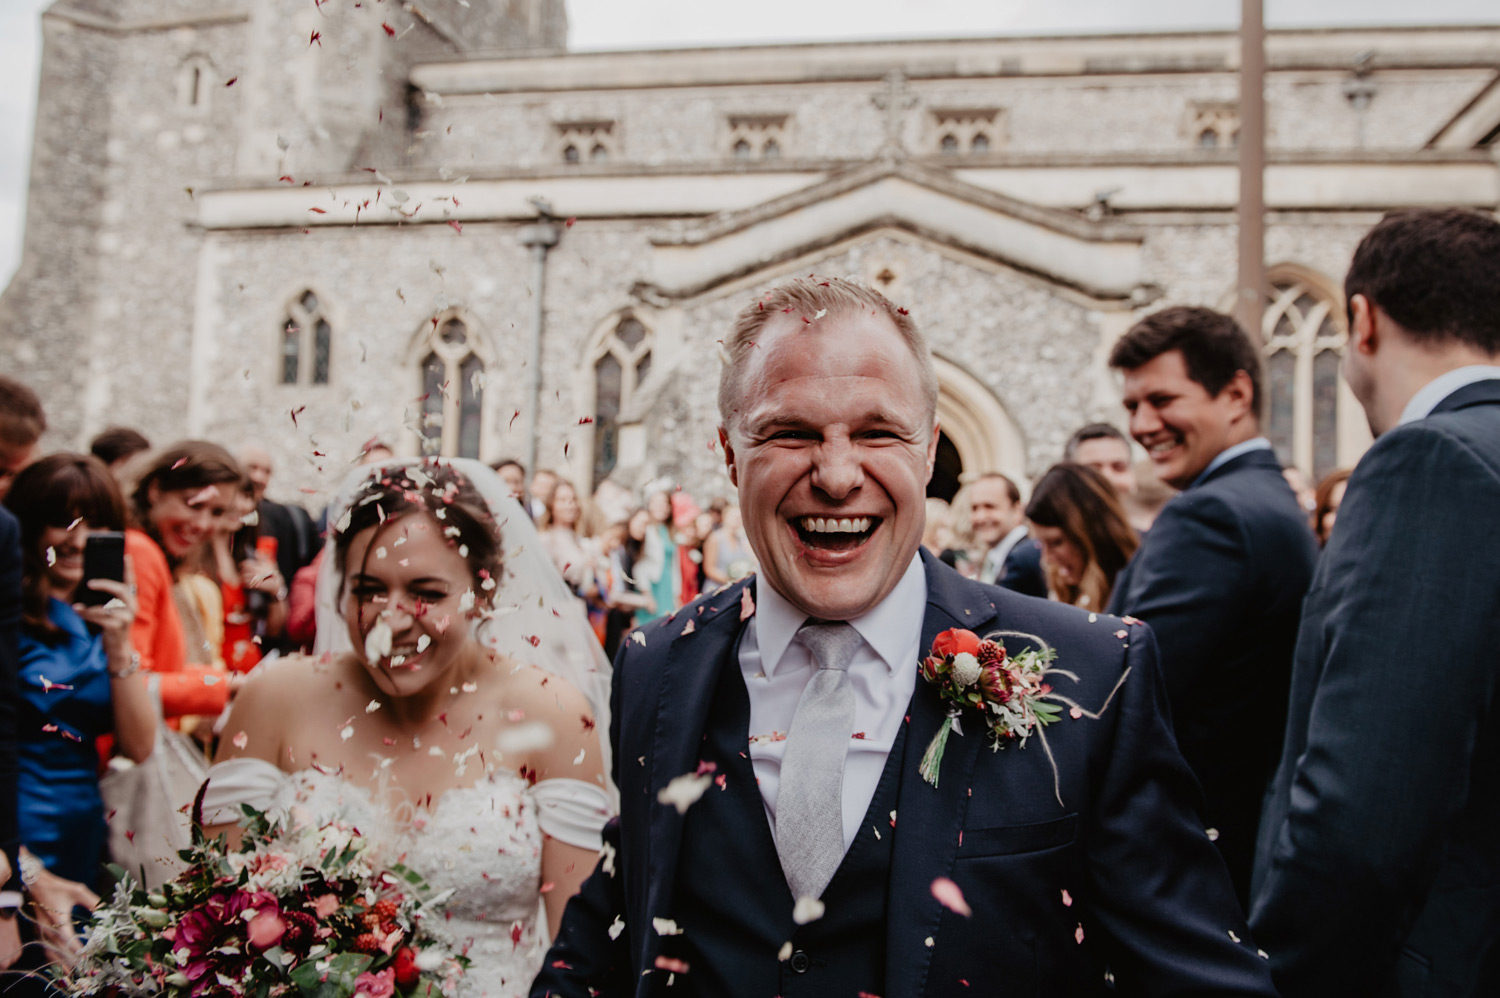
(1008, 691)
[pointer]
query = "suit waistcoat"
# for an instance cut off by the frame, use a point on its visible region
(732, 902)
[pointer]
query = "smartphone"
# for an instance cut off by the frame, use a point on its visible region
(103, 558)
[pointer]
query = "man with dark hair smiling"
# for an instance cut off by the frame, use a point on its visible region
(781, 832)
(1220, 577)
(1378, 866)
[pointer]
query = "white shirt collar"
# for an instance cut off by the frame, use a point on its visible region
(891, 627)
(1440, 387)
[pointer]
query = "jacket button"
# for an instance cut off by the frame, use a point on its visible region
(800, 962)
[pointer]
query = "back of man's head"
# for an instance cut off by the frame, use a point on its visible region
(1213, 347)
(1435, 273)
(22, 421)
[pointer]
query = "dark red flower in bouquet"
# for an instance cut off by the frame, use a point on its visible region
(405, 966)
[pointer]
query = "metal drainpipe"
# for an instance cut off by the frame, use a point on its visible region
(538, 237)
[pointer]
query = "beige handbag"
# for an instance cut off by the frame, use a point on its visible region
(147, 805)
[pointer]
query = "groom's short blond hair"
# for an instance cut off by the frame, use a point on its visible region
(808, 296)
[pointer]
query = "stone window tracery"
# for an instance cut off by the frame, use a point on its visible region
(453, 383)
(967, 130)
(619, 365)
(1304, 333)
(587, 141)
(757, 136)
(305, 348)
(1214, 124)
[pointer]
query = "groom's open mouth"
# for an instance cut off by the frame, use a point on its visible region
(834, 533)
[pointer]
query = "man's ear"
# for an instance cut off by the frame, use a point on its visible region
(1364, 334)
(734, 478)
(1240, 391)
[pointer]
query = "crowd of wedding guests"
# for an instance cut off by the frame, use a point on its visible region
(1208, 538)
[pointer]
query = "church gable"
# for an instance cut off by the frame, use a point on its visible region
(1100, 259)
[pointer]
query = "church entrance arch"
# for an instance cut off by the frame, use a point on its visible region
(977, 434)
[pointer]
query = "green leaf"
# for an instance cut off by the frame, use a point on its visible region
(336, 982)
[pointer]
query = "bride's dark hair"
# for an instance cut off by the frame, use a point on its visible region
(434, 488)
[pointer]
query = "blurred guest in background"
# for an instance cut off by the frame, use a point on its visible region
(78, 678)
(117, 445)
(1326, 502)
(289, 526)
(1086, 541)
(937, 531)
(726, 552)
(1106, 449)
(181, 493)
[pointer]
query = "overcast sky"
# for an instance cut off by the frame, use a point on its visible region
(603, 24)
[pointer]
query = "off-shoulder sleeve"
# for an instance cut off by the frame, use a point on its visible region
(572, 811)
(239, 781)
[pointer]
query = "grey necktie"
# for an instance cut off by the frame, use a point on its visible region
(810, 796)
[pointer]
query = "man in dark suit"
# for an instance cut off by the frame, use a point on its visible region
(759, 854)
(1012, 560)
(1378, 866)
(1220, 577)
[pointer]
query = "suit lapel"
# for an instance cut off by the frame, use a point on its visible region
(928, 818)
(686, 688)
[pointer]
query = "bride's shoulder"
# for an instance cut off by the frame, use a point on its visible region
(542, 695)
(278, 691)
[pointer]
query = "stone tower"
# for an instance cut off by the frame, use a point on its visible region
(142, 105)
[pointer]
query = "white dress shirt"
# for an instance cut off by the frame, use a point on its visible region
(883, 674)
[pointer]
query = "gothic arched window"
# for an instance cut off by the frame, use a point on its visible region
(306, 346)
(1304, 335)
(620, 363)
(453, 381)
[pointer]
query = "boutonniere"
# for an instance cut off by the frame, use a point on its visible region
(1008, 690)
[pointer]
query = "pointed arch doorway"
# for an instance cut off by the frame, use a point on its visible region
(976, 434)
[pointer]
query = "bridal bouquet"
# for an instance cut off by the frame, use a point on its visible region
(296, 910)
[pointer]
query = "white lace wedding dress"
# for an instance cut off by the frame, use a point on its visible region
(483, 842)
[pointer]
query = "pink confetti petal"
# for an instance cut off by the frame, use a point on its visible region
(950, 896)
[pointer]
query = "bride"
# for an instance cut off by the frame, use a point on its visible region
(484, 774)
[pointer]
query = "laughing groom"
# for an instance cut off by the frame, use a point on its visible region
(777, 835)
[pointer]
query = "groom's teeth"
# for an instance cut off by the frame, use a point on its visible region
(830, 525)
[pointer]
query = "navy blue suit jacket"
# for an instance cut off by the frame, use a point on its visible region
(1143, 885)
(1220, 579)
(1378, 866)
(1021, 571)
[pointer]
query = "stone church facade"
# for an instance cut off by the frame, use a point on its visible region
(313, 224)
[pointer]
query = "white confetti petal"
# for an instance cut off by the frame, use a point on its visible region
(616, 927)
(807, 910)
(378, 641)
(665, 927)
(683, 791)
(347, 733)
(372, 706)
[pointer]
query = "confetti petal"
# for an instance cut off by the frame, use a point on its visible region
(682, 792)
(807, 910)
(950, 896)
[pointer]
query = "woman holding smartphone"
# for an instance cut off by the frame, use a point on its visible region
(78, 680)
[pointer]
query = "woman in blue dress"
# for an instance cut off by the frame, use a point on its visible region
(77, 679)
